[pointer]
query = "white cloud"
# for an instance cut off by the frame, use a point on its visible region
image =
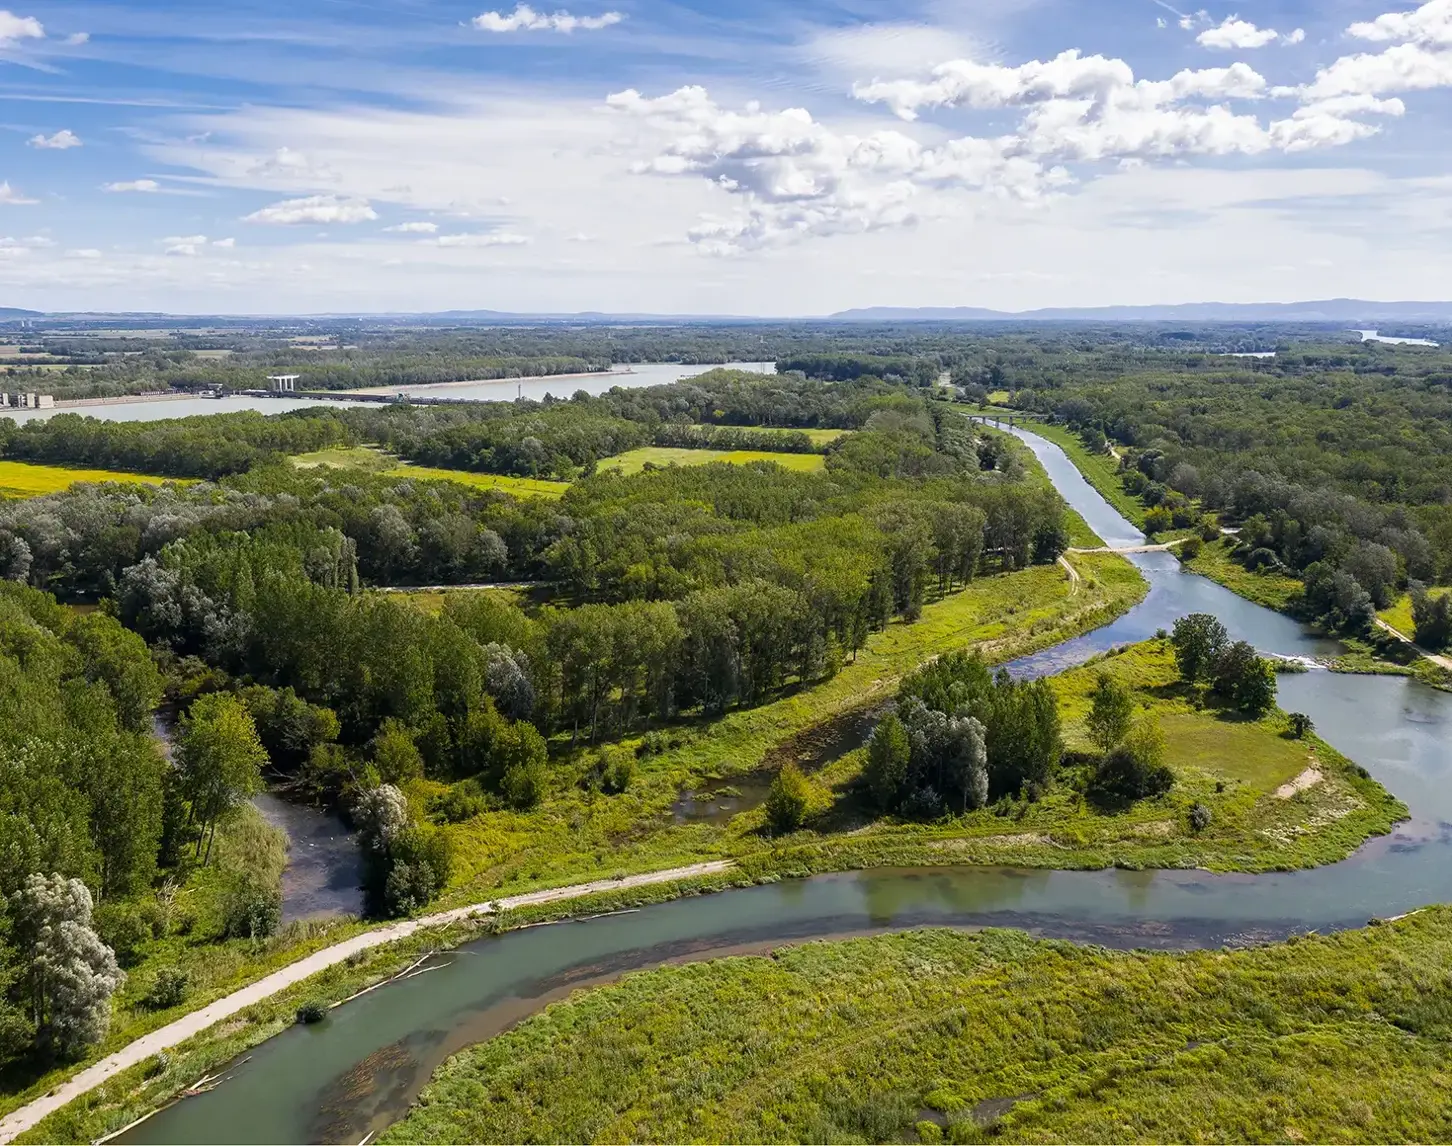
(1233, 33)
(1294, 36)
(416, 228)
(84, 253)
(226, 244)
(481, 239)
(1429, 24)
(9, 194)
(75, 39)
(526, 19)
(13, 27)
(324, 209)
(60, 141)
(143, 185)
(1405, 67)
(188, 246)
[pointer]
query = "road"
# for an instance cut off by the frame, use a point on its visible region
(163, 1038)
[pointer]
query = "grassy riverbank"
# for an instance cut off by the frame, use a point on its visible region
(988, 1037)
(374, 460)
(29, 479)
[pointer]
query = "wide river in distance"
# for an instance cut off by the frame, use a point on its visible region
(356, 1072)
(627, 375)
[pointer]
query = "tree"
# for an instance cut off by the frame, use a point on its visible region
(786, 800)
(1198, 641)
(1301, 725)
(119, 659)
(887, 762)
(1432, 617)
(1246, 679)
(395, 755)
(72, 974)
(220, 759)
(1135, 769)
(1109, 717)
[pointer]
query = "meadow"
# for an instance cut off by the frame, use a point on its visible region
(375, 461)
(1399, 613)
(26, 479)
(633, 461)
(938, 1035)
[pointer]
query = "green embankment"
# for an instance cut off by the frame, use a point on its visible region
(934, 1035)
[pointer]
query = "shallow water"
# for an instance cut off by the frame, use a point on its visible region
(323, 871)
(358, 1071)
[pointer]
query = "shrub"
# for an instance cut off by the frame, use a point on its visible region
(1200, 817)
(1135, 770)
(1301, 725)
(786, 801)
(251, 910)
(1190, 548)
(463, 801)
(168, 989)
(123, 929)
(313, 1011)
(924, 804)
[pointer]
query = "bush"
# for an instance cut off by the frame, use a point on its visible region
(786, 801)
(251, 910)
(1135, 770)
(312, 1012)
(123, 929)
(1200, 817)
(1301, 725)
(924, 804)
(168, 989)
(1190, 548)
(463, 801)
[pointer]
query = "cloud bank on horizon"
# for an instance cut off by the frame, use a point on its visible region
(739, 159)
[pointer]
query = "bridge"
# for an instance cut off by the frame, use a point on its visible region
(1007, 418)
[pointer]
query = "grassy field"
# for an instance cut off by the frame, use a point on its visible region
(933, 1035)
(1273, 590)
(1399, 614)
(633, 461)
(26, 479)
(378, 462)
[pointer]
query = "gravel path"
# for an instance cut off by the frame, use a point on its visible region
(21, 1120)
(1435, 658)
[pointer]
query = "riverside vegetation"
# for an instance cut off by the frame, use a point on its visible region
(992, 1037)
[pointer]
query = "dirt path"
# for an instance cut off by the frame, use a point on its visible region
(1436, 658)
(21, 1120)
(1073, 573)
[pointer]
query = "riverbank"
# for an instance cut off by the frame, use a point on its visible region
(935, 1035)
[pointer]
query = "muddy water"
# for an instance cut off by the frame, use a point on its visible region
(357, 1071)
(323, 871)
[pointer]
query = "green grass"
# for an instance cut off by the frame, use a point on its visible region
(1342, 1038)
(27, 479)
(633, 461)
(819, 437)
(1272, 590)
(1399, 614)
(376, 461)
(1100, 470)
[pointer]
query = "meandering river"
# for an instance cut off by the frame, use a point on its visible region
(357, 1072)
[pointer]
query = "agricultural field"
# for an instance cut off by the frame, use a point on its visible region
(26, 479)
(938, 1035)
(377, 462)
(633, 461)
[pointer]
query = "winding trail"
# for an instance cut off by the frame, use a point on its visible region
(1073, 573)
(20, 1120)
(1436, 658)
(1161, 548)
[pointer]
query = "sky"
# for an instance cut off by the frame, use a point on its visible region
(712, 157)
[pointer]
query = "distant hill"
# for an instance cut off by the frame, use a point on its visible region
(1341, 310)
(8, 312)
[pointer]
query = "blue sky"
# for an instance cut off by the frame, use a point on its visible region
(746, 158)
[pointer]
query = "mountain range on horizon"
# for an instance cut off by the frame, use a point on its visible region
(1347, 311)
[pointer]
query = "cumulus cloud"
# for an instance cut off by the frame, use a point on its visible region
(143, 185)
(415, 228)
(60, 141)
(1233, 33)
(323, 209)
(526, 19)
(226, 244)
(792, 176)
(14, 28)
(84, 253)
(75, 39)
(481, 239)
(9, 194)
(1429, 24)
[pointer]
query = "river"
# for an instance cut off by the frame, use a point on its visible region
(628, 376)
(357, 1072)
